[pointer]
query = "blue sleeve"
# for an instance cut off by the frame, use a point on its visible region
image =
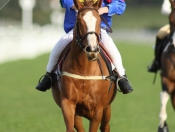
(67, 4)
(116, 7)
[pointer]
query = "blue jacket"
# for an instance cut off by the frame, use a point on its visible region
(115, 7)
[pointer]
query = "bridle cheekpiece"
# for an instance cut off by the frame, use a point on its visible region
(79, 39)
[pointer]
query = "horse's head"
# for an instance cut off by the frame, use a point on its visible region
(172, 16)
(87, 28)
(172, 21)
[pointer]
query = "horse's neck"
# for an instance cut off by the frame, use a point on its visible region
(169, 48)
(79, 61)
(78, 55)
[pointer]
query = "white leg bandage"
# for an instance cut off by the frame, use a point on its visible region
(57, 50)
(164, 96)
(113, 51)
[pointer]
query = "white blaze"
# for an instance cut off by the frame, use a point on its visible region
(90, 21)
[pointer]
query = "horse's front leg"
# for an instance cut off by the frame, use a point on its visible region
(105, 120)
(164, 96)
(68, 110)
(95, 121)
(56, 94)
(78, 124)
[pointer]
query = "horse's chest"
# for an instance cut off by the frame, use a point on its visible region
(87, 95)
(87, 107)
(87, 104)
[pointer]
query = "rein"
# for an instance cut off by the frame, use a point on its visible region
(79, 39)
(109, 29)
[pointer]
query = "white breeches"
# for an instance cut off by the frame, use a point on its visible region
(57, 50)
(113, 52)
(163, 31)
(107, 43)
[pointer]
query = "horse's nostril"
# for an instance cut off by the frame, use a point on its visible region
(88, 49)
(97, 50)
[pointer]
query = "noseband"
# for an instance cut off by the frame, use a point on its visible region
(79, 39)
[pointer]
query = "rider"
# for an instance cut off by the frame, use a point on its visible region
(161, 38)
(109, 8)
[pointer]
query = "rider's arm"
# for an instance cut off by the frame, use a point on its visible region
(68, 4)
(116, 7)
(103, 10)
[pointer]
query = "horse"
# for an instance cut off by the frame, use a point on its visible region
(84, 91)
(167, 73)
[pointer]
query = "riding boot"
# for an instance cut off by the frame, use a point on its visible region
(45, 83)
(124, 85)
(155, 66)
(123, 82)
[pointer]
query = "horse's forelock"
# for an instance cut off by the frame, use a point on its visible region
(89, 2)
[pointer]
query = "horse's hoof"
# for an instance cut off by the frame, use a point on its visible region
(163, 129)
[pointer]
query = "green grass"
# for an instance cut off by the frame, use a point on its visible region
(24, 109)
(143, 17)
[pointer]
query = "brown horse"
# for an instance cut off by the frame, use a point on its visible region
(84, 91)
(168, 72)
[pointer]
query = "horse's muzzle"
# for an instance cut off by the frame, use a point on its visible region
(92, 55)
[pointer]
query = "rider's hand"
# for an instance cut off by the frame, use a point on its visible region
(74, 8)
(103, 10)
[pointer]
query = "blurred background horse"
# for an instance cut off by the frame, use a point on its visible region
(168, 72)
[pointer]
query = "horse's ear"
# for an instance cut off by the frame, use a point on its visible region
(172, 2)
(78, 4)
(97, 3)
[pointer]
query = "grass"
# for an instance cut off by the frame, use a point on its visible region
(22, 108)
(143, 17)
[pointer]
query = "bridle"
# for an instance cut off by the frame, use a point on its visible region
(79, 39)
